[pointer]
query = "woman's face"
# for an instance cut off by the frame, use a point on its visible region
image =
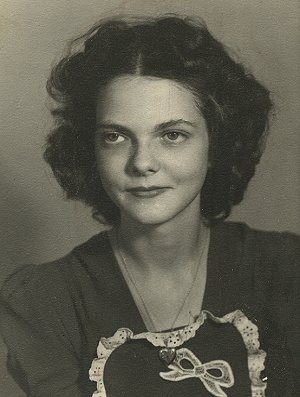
(151, 148)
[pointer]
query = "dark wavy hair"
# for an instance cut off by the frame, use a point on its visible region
(234, 105)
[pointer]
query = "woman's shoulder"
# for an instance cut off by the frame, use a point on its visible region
(55, 276)
(244, 231)
(268, 261)
(273, 246)
(266, 265)
(45, 304)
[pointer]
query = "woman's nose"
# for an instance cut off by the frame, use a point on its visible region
(143, 160)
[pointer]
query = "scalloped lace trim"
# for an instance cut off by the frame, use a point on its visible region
(174, 339)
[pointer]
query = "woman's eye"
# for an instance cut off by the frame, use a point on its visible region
(113, 137)
(174, 136)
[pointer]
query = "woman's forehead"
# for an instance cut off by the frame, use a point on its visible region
(132, 97)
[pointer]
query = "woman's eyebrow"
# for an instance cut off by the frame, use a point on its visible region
(111, 126)
(158, 127)
(172, 123)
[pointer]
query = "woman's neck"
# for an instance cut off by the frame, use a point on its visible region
(161, 248)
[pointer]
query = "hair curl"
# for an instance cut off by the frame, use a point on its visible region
(234, 105)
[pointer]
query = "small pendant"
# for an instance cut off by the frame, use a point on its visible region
(167, 355)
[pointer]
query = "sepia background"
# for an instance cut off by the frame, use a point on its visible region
(36, 224)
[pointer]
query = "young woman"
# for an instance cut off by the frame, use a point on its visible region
(159, 131)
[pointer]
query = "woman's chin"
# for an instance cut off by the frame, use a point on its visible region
(147, 217)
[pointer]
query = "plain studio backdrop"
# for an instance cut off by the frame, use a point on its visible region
(36, 224)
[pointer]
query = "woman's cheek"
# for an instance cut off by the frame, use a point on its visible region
(110, 168)
(193, 169)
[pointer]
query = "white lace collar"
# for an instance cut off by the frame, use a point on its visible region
(175, 339)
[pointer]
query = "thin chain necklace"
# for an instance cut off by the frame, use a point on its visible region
(132, 280)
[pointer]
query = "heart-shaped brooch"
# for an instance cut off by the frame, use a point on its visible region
(167, 355)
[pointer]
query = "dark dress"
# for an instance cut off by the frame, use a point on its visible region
(53, 316)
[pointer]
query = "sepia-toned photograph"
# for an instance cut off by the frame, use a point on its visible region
(149, 198)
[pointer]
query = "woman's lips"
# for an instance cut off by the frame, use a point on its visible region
(149, 192)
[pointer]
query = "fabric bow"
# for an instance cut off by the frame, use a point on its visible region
(198, 370)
